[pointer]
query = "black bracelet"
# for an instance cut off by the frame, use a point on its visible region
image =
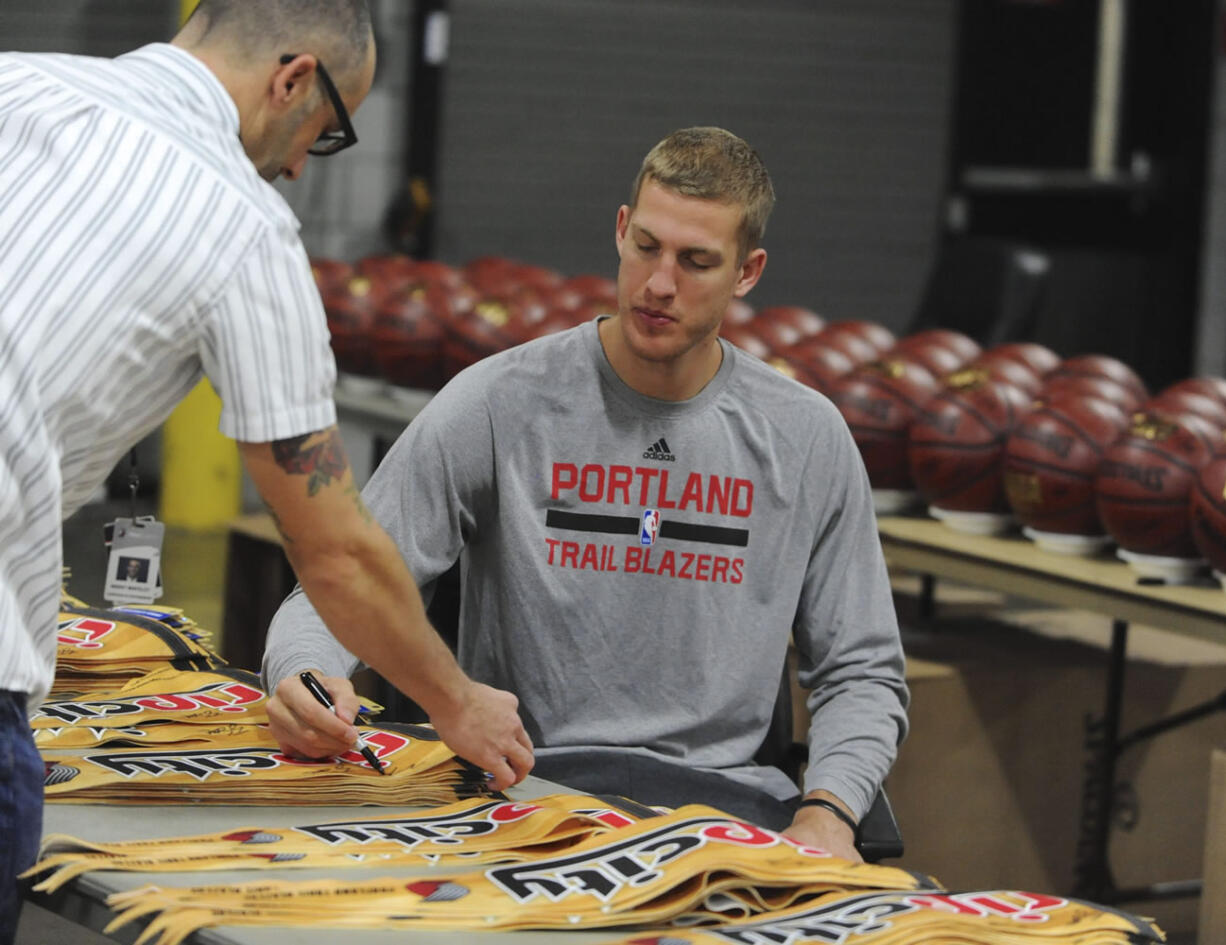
(834, 809)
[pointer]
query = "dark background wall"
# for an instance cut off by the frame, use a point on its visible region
(549, 106)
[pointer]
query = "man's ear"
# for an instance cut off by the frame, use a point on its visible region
(291, 83)
(751, 272)
(623, 221)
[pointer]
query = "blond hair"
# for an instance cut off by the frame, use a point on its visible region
(713, 164)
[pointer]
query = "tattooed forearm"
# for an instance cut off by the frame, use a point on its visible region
(318, 456)
(356, 495)
(276, 520)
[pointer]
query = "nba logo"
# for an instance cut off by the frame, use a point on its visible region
(650, 528)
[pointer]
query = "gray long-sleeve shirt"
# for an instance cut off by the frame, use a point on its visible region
(631, 568)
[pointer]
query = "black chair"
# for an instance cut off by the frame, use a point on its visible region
(878, 837)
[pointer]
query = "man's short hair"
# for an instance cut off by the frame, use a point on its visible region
(713, 164)
(339, 32)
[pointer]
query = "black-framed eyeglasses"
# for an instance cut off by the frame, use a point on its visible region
(330, 141)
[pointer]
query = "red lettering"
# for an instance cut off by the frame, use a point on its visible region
(662, 499)
(610, 817)
(944, 903)
(738, 574)
(589, 558)
(719, 570)
(744, 835)
(506, 813)
(620, 478)
(687, 561)
(634, 559)
(243, 695)
(692, 494)
(668, 564)
(742, 498)
(718, 490)
(645, 474)
(565, 476)
(170, 702)
(570, 552)
(553, 546)
(647, 569)
(703, 570)
(591, 493)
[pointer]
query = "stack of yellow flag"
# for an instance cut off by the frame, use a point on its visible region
(694, 864)
(468, 832)
(245, 766)
(995, 917)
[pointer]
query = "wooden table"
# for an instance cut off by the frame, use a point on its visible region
(1101, 584)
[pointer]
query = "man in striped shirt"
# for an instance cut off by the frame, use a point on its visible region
(141, 248)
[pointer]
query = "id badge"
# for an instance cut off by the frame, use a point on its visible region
(134, 566)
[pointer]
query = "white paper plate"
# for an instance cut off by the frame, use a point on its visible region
(1170, 570)
(894, 501)
(973, 523)
(1084, 545)
(1221, 578)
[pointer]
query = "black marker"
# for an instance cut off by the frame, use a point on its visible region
(322, 697)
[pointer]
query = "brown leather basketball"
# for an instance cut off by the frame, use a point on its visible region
(806, 321)
(1051, 459)
(1101, 365)
(964, 346)
(777, 334)
(389, 272)
(1039, 358)
(1207, 385)
(824, 365)
(1007, 370)
(408, 334)
(847, 339)
(329, 274)
(877, 335)
(1076, 387)
(956, 446)
(350, 308)
(1145, 480)
(491, 326)
(745, 338)
(1184, 402)
(1207, 514)
(879, 401)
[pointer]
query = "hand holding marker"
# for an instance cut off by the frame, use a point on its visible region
(321, 696)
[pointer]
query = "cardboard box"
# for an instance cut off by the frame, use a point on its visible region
(988, 787)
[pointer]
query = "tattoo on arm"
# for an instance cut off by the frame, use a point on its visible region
(276, 520)
(321, 461)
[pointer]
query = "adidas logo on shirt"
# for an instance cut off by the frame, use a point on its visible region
(659, 450)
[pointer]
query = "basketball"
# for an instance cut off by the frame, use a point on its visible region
(1051, 459)
(1205, 385)
(880, 400)
(806, 321)
(745, 338)
(1101, 365)
(738, 312)
(938, 359)
(880, 337)
(1075, 387)
(1207, 514)
(408, 337)
(823, 365)
(591, 287)
(350, 308)
(1185, 402)
(1039, 358)
(964, 346)
(329, 274)
(847, 340)
(491, 326)
(777, 334)
(1008, 371)
(1144, 484)
(957, 444)
(388, 272)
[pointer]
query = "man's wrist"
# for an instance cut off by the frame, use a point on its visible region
(826, 805)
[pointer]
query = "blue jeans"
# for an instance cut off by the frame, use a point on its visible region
(21, 806)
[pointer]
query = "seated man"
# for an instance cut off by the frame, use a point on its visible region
(643, 515)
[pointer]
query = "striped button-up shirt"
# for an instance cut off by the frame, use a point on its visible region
(139, 250)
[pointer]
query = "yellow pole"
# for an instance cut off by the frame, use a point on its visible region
(201, 474)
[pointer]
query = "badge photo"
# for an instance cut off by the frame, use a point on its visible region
(133, 570)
